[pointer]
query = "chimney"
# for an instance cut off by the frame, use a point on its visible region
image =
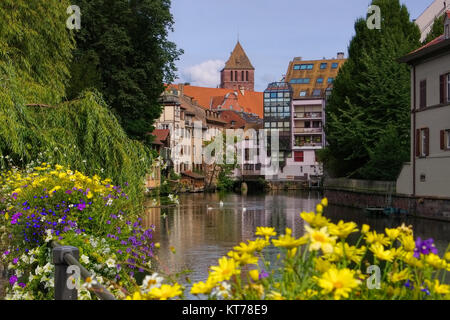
(340, 55)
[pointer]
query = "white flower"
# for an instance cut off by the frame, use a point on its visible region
(150, 282)
(50, 283)
(109, 202)
(38, 271)
(49, 236)
(48, 267)
(30, 277)
(222, 291)
(25, 258)
(111, 263)
(84, 259)
(89, 282)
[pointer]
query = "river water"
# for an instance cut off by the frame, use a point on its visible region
(202, 230)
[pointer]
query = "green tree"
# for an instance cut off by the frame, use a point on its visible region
(436, 30)
(123, 51)
(371, 92)
(36, 123)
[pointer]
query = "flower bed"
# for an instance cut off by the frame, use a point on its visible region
(53, 203)
(322, 265)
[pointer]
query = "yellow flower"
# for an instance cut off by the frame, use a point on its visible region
(319, 208)
(447, 256)
(202, 287)
(243, 258)
(310, 293)
(58, 167)
(136, 296)
(408, 242)
(342, 229)
(260, 244)
(351, 252)
(225, 270)
(441, 288)
(322, 265)
(246, 248)
(373, 238)
(324, 202)
(62, 175)
(411, 260)
(314, 220)
(265, 232)
(274, 295)
(400, 276)
(254, 274)
(157, 245)
(339, 282)
(6, 216)
(320, 239)
(291, 253)
(287, 241)
(54, 189)
(434, 261)
(380, 253)
(365, 228)
(392, 234)
(89, 195)
(165, 292)
(406, 230)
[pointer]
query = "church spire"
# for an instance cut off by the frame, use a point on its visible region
(239, 59)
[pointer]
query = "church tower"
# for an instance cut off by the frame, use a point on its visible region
(238, 71)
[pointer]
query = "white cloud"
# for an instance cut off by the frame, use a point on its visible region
(205, 74)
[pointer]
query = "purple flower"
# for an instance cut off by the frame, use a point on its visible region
(69, 191)
(263, 275)
(15, 260)
(424, 247)
(23, 285)
(12, 280)
(81, 206)
(409, 285)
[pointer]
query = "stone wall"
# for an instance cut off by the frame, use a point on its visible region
(432, 208)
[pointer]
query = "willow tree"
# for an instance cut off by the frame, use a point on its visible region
(35, 117)
(370, 101)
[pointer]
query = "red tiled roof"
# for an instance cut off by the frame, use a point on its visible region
(429, 44)
(160, 135)
(229, 116)
(251, 101)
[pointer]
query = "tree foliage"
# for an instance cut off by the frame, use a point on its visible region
(35, 120)
(123, 51)
(371, 97)
(436, 30)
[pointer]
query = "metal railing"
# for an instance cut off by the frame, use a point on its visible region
(65, 257)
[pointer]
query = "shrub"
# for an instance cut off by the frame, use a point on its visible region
(53, 203)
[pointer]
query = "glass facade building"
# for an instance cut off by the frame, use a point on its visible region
(277, 115)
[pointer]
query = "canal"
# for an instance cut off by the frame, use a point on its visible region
(204, 227)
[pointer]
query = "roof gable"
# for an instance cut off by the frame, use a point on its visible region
(238, 59)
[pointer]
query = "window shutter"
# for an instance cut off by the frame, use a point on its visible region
(418, 143)
(427, 142)
(442, 139)
(442, 89)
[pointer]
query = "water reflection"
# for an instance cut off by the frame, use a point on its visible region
(202, 231)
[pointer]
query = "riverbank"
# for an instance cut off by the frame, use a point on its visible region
(362, 194)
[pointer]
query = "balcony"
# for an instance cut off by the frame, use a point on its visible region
(308, 115)
(308, 130)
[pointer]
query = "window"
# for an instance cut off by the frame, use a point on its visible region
(323, 65)
(300, 81)
(231, 73)
(302, 93)
(445, 139)
(246, 75)
(242, 74)
(317, 92)
(422, 142)
(247, 154)
(423, 93)
(448, 87)
(334, 65)
(319, 80)
(235, 76)
(298, 156)
(330, 80)
(303, 66)
(267, 125)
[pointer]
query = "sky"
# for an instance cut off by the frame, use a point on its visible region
(272, 32)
